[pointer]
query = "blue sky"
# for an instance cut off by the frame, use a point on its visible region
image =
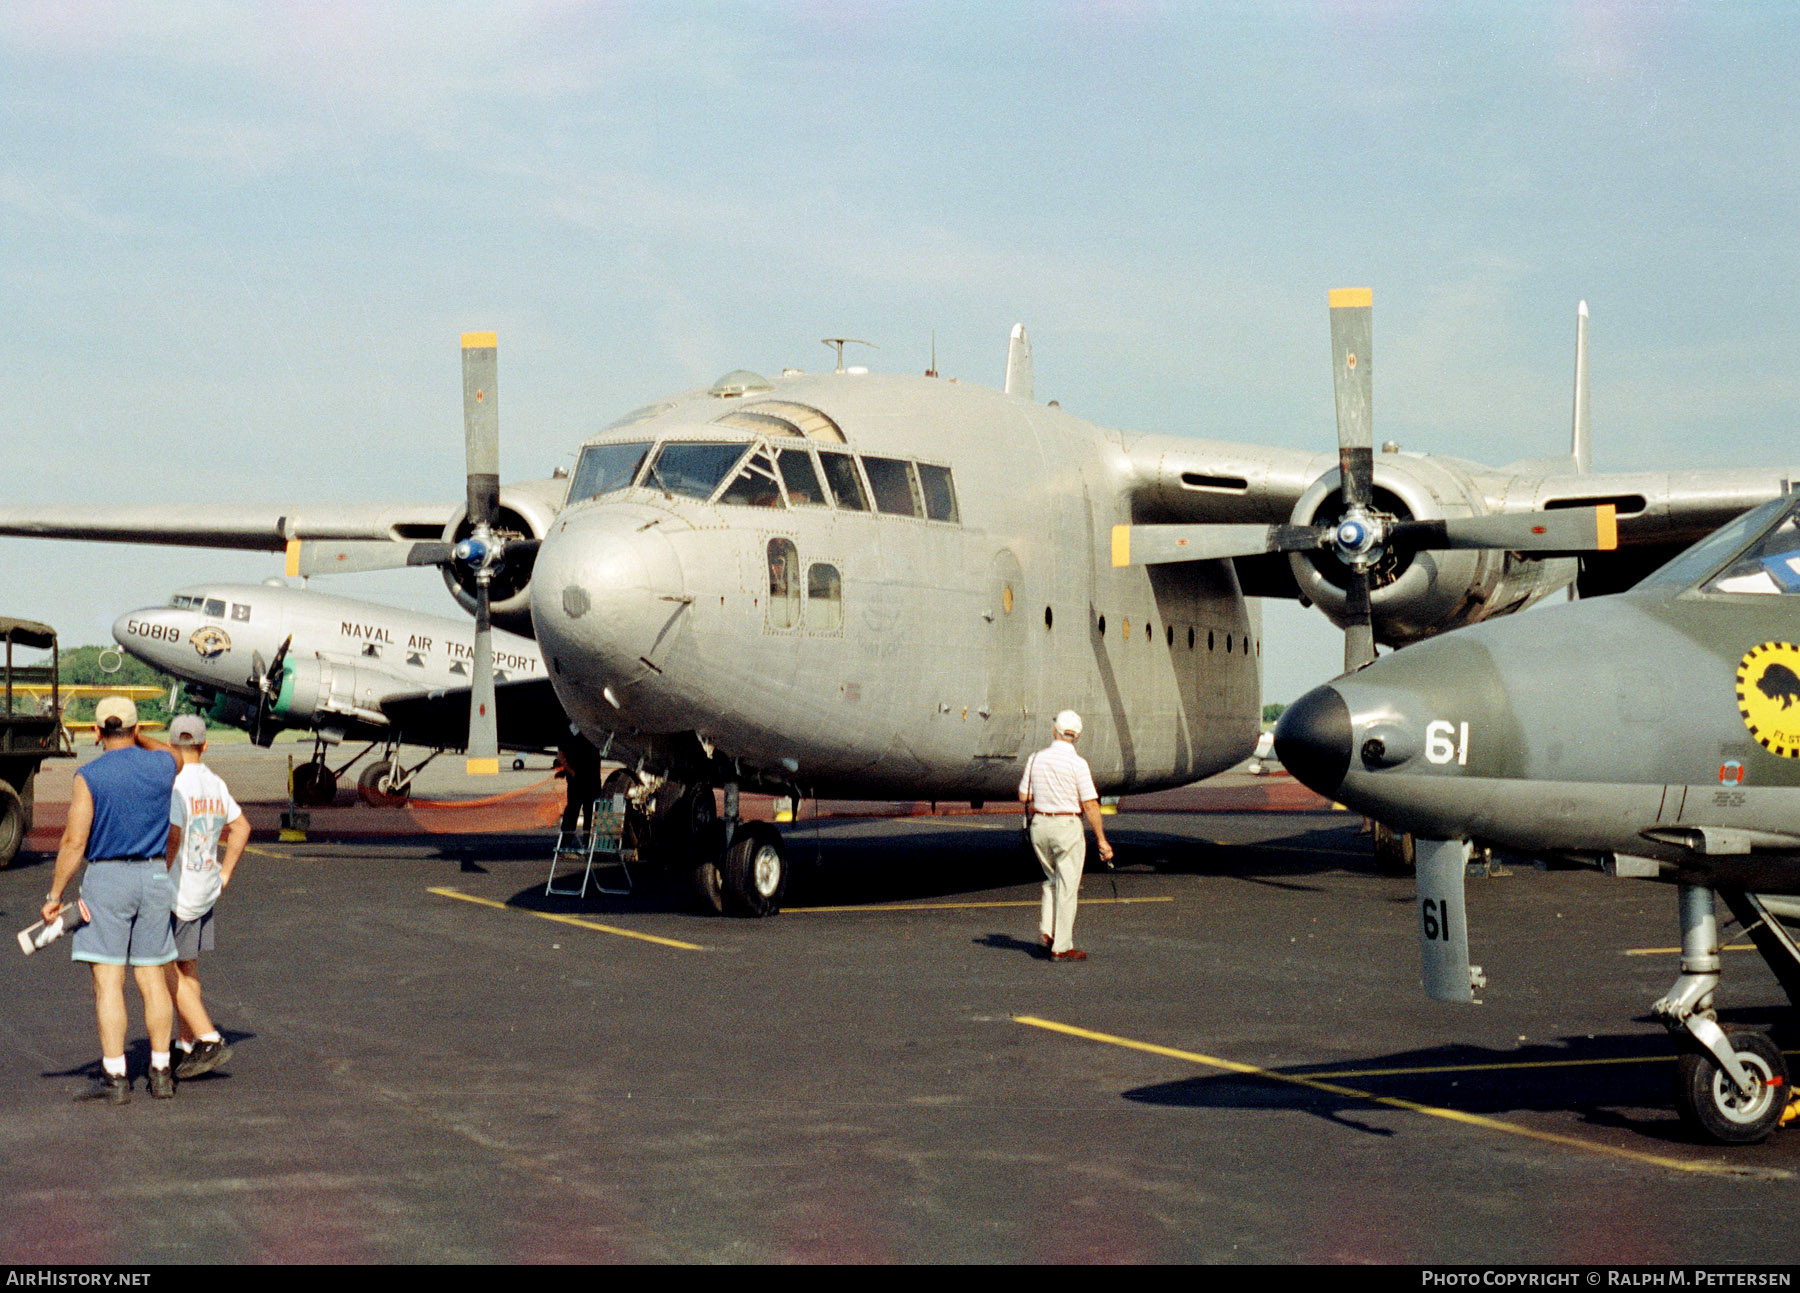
(239, 239)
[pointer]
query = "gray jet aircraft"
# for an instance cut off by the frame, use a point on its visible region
(1654, 734)
(852, 584)
(265, 657)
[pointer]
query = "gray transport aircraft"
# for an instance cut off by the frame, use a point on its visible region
(847, 584)
(1654, 734)
(265, 657)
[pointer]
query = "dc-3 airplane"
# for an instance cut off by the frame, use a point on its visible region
(265, 657)
(850, 584)
(1672, 755)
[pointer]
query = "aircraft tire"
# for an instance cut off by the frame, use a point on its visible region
(1709, 1103)
(705, 884)
(755, 873)
(1394, 853)
(315, 785)
(12, 824)
(369, 789)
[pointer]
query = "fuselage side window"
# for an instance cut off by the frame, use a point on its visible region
(891, 481)
(802, 481)
(755, 485)
(603, 468)
(215, 609)
(784, 584)
(846, 485)
(939, 491)
(694, 469)
(824, 598)
(240, 612)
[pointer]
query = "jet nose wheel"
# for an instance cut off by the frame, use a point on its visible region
(1712, 1106)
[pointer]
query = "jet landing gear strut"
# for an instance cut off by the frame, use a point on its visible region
(1730, 1087)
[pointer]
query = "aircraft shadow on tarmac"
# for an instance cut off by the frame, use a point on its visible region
(1604, 1091)
(846, 863)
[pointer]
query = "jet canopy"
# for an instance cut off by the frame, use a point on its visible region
(1758, 553)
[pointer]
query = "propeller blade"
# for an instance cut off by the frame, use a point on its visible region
(484, 733)
(325, 557)
(1352, 362)
(1151, 545)
(1575, 529)
(481, 425)
(258, 670)
(1359, 632)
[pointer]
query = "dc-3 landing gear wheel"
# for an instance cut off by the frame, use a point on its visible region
(372, 787)
(1710, 1103)
(756, 871)
(315, 785)
(1394, 852)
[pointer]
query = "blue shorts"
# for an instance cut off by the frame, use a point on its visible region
(192, 937)
(129, 903)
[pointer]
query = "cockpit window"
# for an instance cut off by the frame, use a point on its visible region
(694, 469)
(1706, 556)
(891, 479)
(846, 485)
(215, 608)
(1771, 565)
(182, 600)
(802, 481)
(755, 485)
(939, 491)
(603, 468)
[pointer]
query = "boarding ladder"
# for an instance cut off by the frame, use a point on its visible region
(598, 851)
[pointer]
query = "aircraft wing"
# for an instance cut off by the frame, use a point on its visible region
(529, 714)
(256, 527)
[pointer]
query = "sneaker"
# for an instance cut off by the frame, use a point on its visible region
(1073, 954)
(162, 1084)
(205, 1057)
(113, 1090)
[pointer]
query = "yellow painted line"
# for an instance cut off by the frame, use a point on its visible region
(570, 920)
(1676, 951)
(262, 853)
(963, 906)
(1392, 1102)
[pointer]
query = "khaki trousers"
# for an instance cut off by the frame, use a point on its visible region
(1061, 847)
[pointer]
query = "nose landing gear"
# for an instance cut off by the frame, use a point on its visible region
(1730, 1087)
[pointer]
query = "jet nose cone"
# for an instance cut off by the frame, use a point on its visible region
(1312, 740)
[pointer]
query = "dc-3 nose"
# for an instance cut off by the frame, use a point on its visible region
(1312, 740)
(154, 633)
(605, 590)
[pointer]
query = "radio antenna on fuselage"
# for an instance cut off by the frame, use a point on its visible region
(932, 371)
(841, 342)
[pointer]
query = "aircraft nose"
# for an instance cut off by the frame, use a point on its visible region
(605, 589)
(1312, 740)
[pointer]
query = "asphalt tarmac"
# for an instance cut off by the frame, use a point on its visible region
(435, 1062)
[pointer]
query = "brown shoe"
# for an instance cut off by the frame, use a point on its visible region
(1073, 954)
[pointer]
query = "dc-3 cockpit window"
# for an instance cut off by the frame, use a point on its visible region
(181, 600)
(755, 485)
(802, 481)
(846, 485)
(694, 469)
(603, 468)
(1712, 552)
(891, 479)
(1770, 565)
(215, 608)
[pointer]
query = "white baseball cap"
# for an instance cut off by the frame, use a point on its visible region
(116, 714)
(1067, 723)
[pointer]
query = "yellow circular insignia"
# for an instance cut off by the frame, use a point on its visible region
(1768, 696)
(210, 642)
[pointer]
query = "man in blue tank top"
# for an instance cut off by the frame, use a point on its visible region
(119, 824)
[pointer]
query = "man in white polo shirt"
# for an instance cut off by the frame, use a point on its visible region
(1058, 791)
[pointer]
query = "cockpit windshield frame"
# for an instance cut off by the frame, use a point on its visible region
(1697, 567)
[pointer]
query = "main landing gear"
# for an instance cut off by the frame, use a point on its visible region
(725, 864)
(1731, 1086)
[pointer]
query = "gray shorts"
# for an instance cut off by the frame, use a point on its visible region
(192, 937)
(129, 903)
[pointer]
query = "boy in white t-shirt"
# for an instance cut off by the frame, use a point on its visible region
(201, 810)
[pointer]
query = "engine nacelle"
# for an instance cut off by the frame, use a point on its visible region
(314, 689)
(1416, 594)
(526, 510)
